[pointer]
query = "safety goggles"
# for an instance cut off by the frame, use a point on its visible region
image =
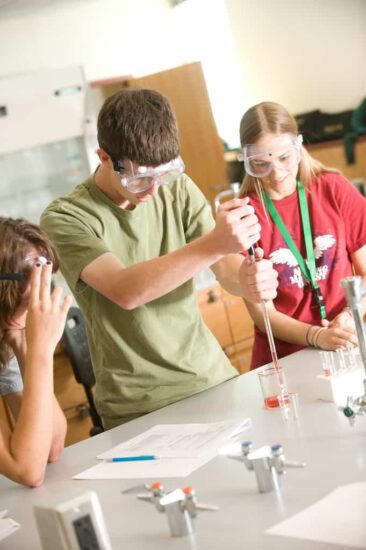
(283, 153)
(138, 179)
(23, 275)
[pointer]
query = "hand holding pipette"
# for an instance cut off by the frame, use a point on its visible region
(237, 226)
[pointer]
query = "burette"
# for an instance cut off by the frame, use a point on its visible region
(284, 397)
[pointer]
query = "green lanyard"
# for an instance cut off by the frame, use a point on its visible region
(308, 269)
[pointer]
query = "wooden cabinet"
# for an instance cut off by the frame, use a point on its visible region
(228, 319)
(72, 399)
(331, 153)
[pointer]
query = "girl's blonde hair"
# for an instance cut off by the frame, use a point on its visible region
(270, 117)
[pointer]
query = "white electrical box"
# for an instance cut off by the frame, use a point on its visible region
(76, 524)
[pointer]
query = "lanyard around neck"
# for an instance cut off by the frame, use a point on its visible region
(307, 268)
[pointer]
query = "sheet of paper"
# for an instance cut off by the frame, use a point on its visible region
(7, 525)
(180, 448)
(339, 518)
(155, 469)
(180, 440)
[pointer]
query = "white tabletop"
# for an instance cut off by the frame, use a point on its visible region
(335, 454)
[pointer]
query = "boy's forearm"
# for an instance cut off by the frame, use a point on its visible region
(144, 282)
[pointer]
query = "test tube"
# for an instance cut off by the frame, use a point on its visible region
(327, 360)
(340, 357)
(349, 357)
(332, 365)
(290, 407)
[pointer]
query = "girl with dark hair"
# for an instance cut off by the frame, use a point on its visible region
(31, 323)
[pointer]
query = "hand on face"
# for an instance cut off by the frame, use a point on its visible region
(258, 280)
(46, 312)
(237, 226)
(18, 321)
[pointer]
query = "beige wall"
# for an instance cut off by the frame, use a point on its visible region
(305, 54)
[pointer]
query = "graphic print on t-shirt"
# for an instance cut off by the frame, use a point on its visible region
(289, 270)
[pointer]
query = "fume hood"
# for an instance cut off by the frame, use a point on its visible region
(47, 139)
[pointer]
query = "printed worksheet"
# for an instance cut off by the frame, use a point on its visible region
(166, 450)
(180, 440)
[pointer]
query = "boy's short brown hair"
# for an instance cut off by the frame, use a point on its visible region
(139, 125)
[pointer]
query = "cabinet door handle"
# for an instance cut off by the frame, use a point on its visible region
(83, 410)
(212, 297)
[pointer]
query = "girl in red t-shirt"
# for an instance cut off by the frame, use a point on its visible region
(313, 231)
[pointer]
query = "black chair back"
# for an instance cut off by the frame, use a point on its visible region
(75, 343)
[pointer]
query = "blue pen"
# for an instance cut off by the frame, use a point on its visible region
(131, 458)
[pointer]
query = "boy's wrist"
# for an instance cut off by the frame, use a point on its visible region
(210, 243)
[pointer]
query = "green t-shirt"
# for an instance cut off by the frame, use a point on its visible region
(159, 352)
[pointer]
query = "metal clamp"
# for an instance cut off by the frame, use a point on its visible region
(180, 506)
(354, 292)
(268, 464)
(355, 406)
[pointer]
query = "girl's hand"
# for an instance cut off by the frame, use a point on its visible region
(46, 312)
(343, 319)
(335, 337)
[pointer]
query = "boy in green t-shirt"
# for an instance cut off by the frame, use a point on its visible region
(131, 238)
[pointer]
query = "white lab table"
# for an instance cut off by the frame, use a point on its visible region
(335, 454)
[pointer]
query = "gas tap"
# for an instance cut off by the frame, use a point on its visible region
(180, 507)
(268, 463)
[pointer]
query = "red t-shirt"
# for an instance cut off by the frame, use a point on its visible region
(337, 214)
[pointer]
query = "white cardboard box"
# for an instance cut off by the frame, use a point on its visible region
(341, 385)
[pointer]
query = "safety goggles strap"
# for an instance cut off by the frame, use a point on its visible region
(11, 276)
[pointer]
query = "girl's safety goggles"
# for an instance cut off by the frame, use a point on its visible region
(23, 275)
(283, 153)
(140, 178)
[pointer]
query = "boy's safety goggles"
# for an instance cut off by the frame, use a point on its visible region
(283, 153)
(141, 178)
